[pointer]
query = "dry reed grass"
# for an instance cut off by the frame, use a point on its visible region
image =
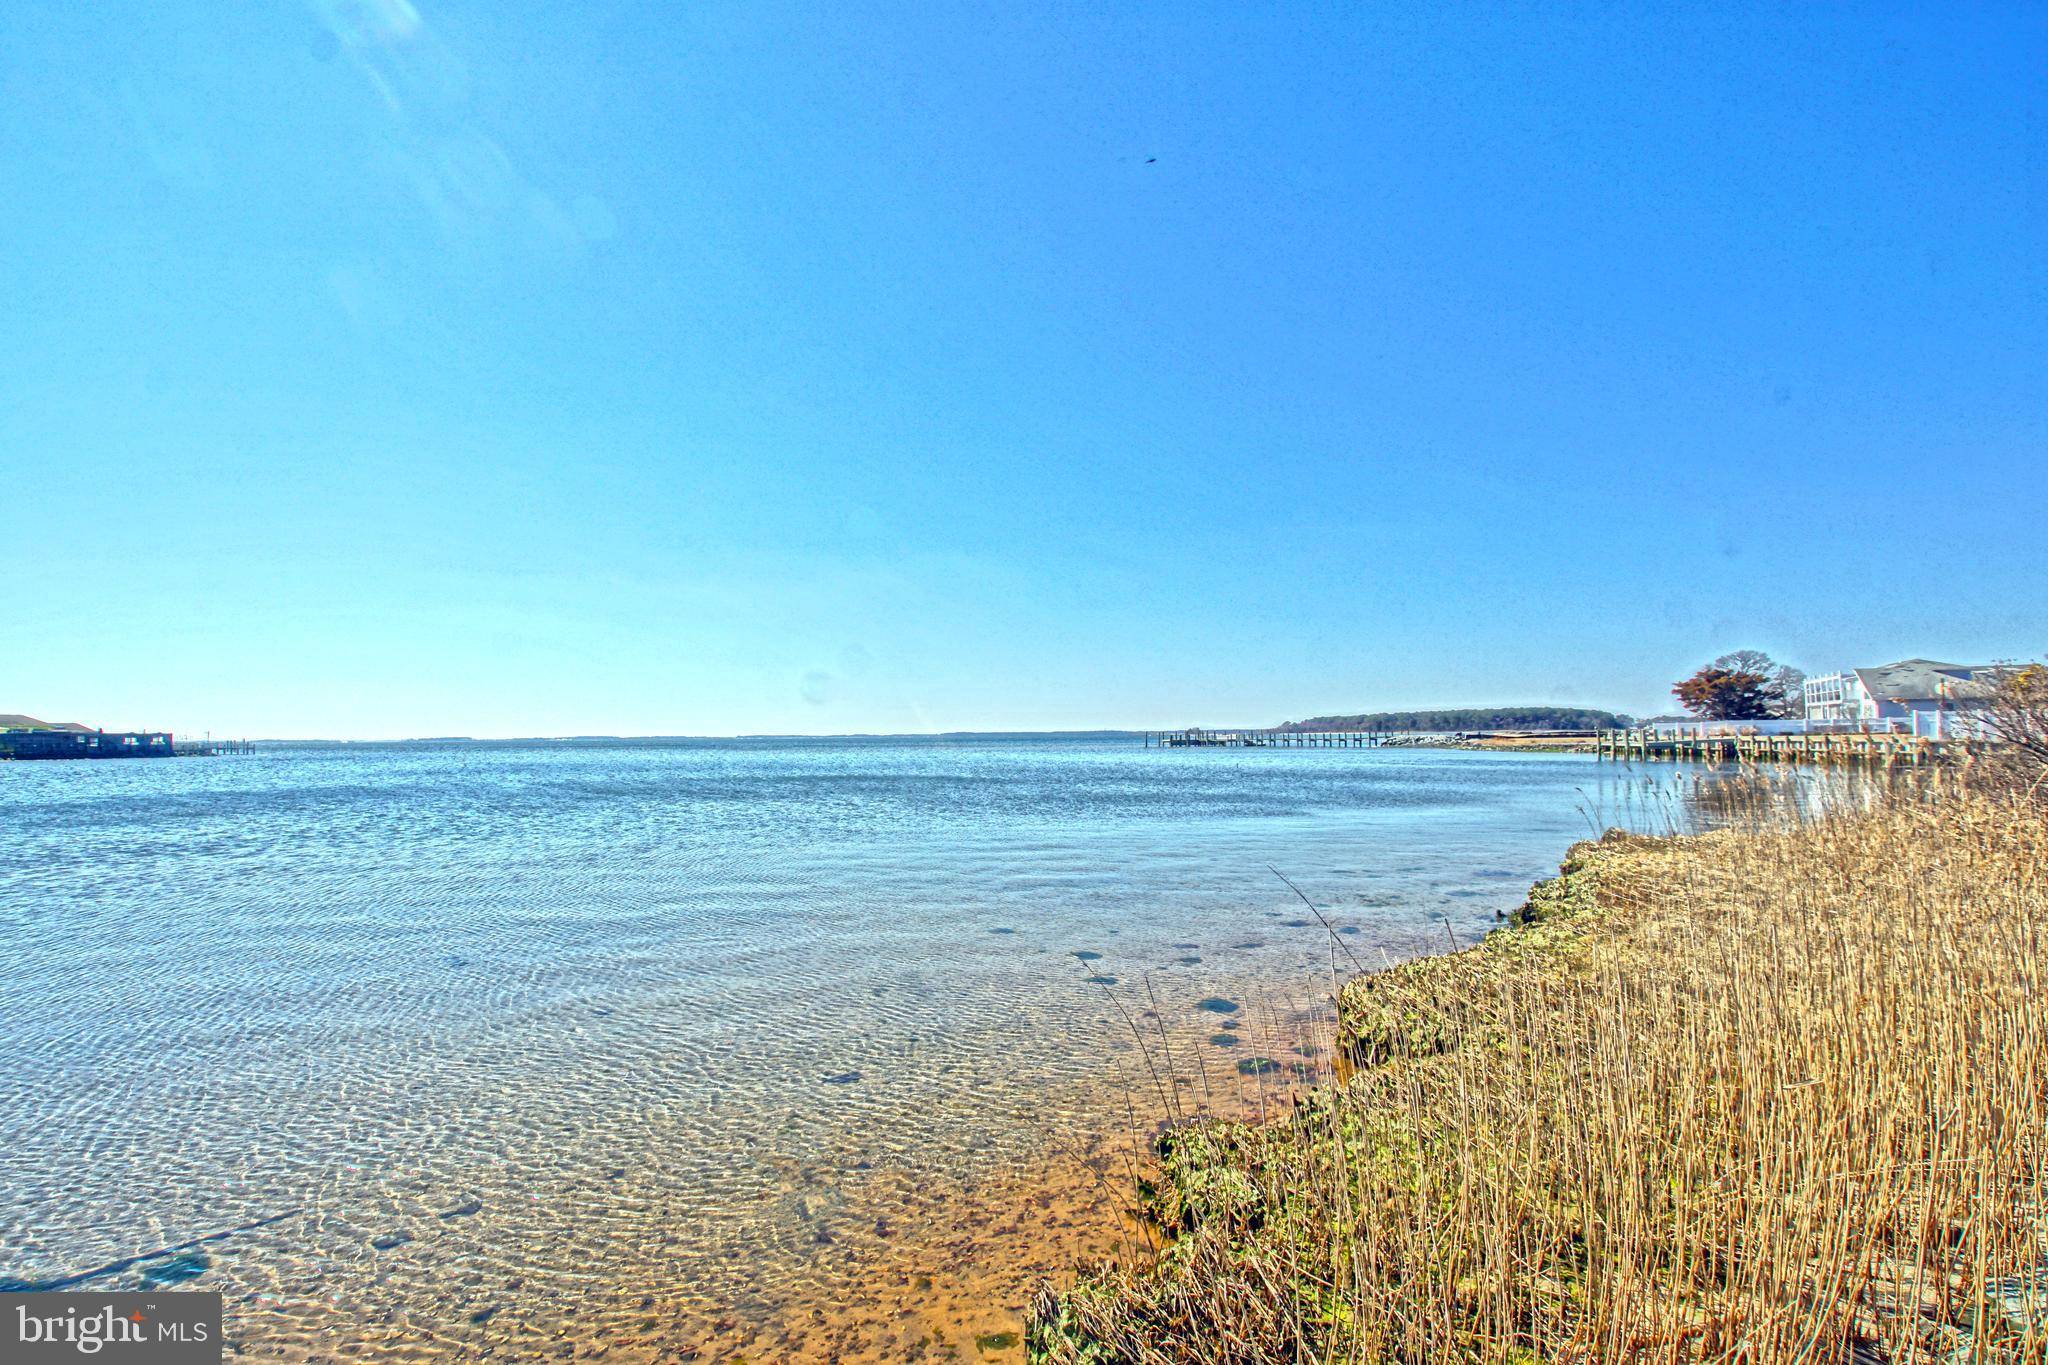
(1770, 1094)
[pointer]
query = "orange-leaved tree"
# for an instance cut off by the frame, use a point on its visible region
(1729, 694)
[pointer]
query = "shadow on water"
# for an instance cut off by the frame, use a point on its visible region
(183, 1263)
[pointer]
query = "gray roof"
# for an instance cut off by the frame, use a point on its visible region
(1917, 679)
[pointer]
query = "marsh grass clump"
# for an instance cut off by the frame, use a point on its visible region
(1775, 1093)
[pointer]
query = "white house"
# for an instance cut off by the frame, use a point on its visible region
(1915, 696)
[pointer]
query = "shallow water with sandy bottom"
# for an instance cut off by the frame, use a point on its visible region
(770, 1050)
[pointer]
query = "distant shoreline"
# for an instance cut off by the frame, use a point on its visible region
(1532, 740)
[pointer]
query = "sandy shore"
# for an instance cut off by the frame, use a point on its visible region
(950, 1274)
(1514, 743)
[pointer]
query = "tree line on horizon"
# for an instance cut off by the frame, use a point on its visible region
(1469, 718)
(1744, 684)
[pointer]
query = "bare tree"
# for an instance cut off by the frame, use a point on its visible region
(2016, 713)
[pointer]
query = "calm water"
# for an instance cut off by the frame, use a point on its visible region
(466, 1039)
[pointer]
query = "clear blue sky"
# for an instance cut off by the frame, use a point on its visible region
(539, 368)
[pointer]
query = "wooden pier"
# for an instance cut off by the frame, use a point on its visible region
(209, 747)
(1874, 747)
(1264, 739)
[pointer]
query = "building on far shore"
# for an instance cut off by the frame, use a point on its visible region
(1914, 696)
(25, 737)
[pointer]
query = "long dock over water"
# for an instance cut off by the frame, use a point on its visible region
(1710, 743)
(210, 746)
(1889, 749)
(1264, 739)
